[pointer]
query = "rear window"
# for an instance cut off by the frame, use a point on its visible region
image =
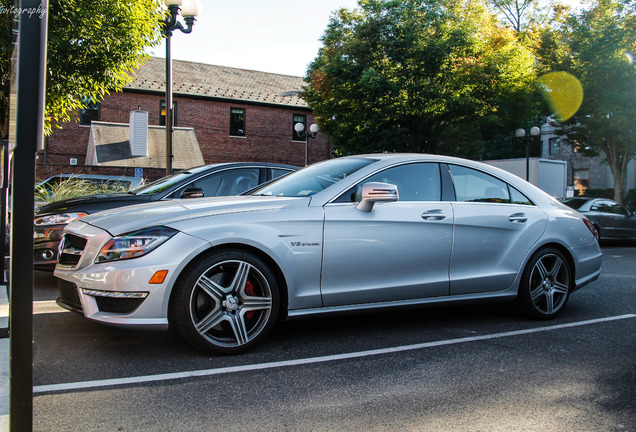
(574, 203)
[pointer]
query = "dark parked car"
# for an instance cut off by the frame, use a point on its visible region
(209, 181)
(610, 219)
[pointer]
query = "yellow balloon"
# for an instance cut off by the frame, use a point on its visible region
(563, 93)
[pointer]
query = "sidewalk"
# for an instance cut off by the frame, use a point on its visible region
(4, 360)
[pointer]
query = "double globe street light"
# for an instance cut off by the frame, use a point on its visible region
(303, 134)
(189, 10)
(521, 134)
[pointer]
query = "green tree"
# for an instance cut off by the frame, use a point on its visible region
(520, 14)
(420, 76)
(601, 43)
(92, 47)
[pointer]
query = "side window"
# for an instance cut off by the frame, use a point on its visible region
(415, 182)
(237, 122)
(162, 113)
(475, 186)
(89, 113)
(278, 172)
(618, 209)
(519, 198)
(603, 206)
(224, 183)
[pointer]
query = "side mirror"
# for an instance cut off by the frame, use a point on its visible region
(193, 193)
(374, 192)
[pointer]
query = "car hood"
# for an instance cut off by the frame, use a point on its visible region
(91, 203)
(131, 218)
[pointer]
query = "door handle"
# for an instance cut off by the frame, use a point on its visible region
(437, 214)
(518, 218)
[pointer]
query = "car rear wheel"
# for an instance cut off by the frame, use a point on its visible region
(226, 302)
(545, 285)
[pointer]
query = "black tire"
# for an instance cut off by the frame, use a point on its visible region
(597, 233)
(545, 285)
(225, 302)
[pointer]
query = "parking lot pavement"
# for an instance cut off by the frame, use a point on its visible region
(4, 359)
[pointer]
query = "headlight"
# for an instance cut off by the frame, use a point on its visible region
(57, 219)
(134, 244)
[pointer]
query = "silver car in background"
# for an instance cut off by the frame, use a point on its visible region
(347, 234)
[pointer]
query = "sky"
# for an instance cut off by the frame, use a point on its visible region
(279, 36)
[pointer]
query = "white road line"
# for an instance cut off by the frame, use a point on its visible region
(82, 385)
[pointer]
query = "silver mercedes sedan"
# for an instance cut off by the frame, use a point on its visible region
(348, 234)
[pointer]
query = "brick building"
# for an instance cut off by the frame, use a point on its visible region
(235, 114)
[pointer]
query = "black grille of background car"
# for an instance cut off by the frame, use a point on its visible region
(74, 244)
(68, 295)
(118, 305)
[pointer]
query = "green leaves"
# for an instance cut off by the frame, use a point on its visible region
(404, 75)
(599, 43)
(93, 45)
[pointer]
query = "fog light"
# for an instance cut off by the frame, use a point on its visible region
(48, 254)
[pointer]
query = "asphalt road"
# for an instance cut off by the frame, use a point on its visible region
(477, 368)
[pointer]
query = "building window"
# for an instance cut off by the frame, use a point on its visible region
(89, 113)
(162, 113)
(298, 118)
(581, 180)
(237, 121)
(555, 146)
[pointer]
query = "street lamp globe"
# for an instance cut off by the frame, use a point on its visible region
(535, 131)
(520, 133)
(190, 8)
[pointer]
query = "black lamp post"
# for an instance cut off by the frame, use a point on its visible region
(303, 134)
(521, 134)
(189, 9)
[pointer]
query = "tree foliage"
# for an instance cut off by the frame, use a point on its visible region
(419, 76)
(520, 14)
(598, 47)
(92, 47)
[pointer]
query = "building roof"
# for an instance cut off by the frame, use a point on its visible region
(205, 80)
(108, 145)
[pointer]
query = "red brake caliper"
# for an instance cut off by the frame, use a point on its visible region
(250, 291)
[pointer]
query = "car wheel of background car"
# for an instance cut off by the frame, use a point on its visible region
(225, 302)
(597, 232)
(545, 284)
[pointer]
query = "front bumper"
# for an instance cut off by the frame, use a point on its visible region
(46, 240)
(119, 292)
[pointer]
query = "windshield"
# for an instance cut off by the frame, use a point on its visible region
(313, 179)
(166, 182)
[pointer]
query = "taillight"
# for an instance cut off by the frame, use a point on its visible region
(590, 226)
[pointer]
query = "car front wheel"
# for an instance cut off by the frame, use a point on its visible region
(545, 285)
(226, 302)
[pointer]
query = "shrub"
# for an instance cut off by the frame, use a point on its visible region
(73, 188)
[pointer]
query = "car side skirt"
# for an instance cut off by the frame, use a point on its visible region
(490, 297)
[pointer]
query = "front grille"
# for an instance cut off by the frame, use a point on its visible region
(118, 305)
(69, 298)
(71, 249)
